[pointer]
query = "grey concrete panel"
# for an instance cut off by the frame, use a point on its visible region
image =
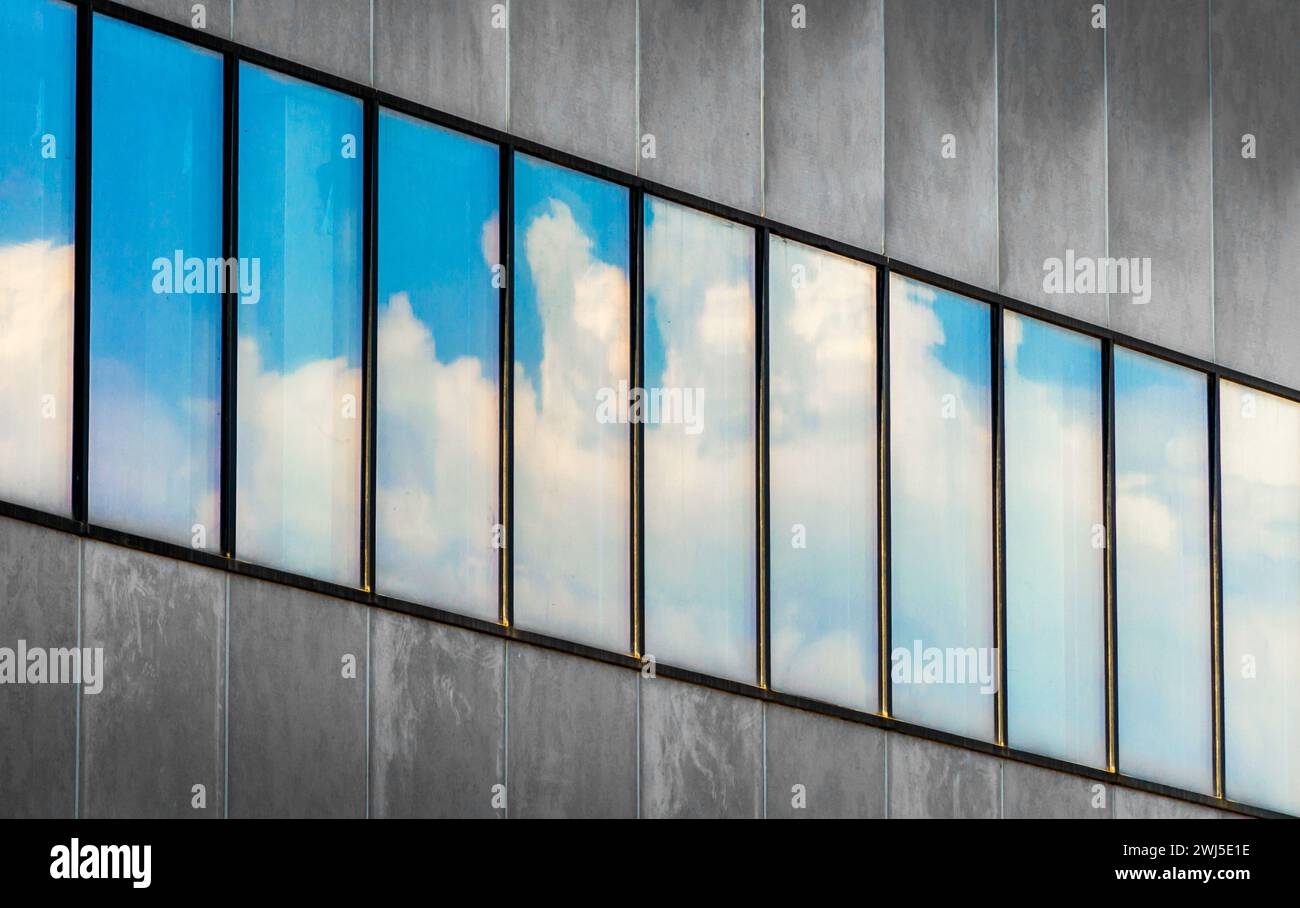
(1051, 147)
(701, 752)
(935, 781)
(38, 605)
(329, 35)
(572, 736)
(1138, 805)
(701, 89)
(840, 766)
(1159, 164)
(214, 18)
(940, 72)
(573, 77)
(1031, 792)
(437, 718)
(1256, 70)
(446, 54)
(156, 729)
(823, 106)
(297, 720)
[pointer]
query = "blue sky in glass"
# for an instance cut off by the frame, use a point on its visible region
(1055, 572)
(1162, 571)
(155, 358)
(438, 366)
(38, 72)
(302, 221)
(37, 175)
(941, 499)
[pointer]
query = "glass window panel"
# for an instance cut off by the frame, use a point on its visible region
(822, 448)
(1260, 438)
(156, 278)
(573, 444)
(943, 665)
(299, 415)
(1162, 572)
(37, 170)
(699, 407)
(1055, 542)
(437, 446)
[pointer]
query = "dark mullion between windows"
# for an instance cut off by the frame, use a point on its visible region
(999, 514)
(369, 338)
(763, 554)
(81, 271)
(505, 224)
(1108, 515)
(229, 304)
(883, 529)
(636, 224)
(1216, 580)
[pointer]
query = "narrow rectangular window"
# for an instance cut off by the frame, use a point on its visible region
(38, 41)
(299, 405)
(1162, 572)
(822, 444)
(1055, 542)
(571, 403)
(943, 662)
(699, 407)
(156, 280)
(438, 344)
(1260, 444)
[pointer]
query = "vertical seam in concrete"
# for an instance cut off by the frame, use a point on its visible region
(368, 613)
(372, 82)
(997, 155)
(1105, 134)
(636, 126)
(887, 743)
(764, 707)
(762, 121)
(638, 744)
(1002, 790)
(76, 721)
(225, 713)
(1209, 55)
(884, 138)
(505, 726)
(232, 20)
(509, 94)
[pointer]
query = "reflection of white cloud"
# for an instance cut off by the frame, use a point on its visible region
(36, 375)
(298, 496)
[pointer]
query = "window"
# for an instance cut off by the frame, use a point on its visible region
(943, 664)
(699, 409)
(38, 162)
(573, 443)
(1055, 542)
(1162, 572)
(156, 279)
(299, 412)
(822, 498)
(1260, 438)
(437, 450)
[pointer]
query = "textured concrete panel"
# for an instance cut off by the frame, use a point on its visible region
(701, 752)
(1257, 200)
(446, 54)
(1138, 805)
(572, 736)
(329, 35)
(38, 605)
(1159, 161)
(701, 89)
(437, 719)
(1031, 792)
(941, 97)
(215, 17)
(823, 100)
(935, 781)
(297, 719)
(1051, 147)
(156, 729)
(573, 77)
(841, 766)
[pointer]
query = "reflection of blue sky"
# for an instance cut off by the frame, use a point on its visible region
(941, 496)
(1261, 597)
(300, 181)
(1055, 574)
(699, 512)
(437, 368)
(1162, 572)
(572, 338)
(823, 475)
(37, 94)
(155, 359)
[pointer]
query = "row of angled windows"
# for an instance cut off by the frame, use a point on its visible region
(155, 396)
